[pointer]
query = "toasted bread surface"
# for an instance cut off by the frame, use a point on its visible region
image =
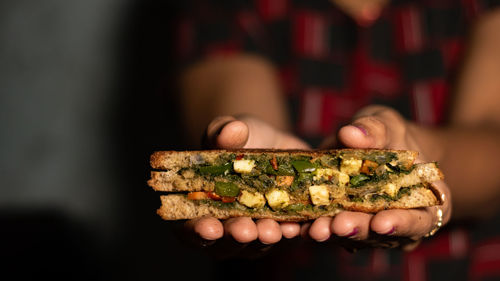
(168, 160)
(178, 207)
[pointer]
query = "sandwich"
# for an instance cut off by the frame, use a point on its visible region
(290, 185)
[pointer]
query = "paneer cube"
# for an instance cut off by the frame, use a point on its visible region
(319, 195)
(342, 178)
(243, 166)
(351, 166)
(322, 173)
(390, 189)
(284, 180)
(277, 199)
(252, 200)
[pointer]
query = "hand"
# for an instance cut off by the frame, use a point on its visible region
(383, 128)
(243, 132)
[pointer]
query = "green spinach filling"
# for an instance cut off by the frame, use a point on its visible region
(226, 189)
(267, 172)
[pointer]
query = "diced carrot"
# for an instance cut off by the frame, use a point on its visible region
(304, 202)
(368, 167)
(274, 163)
(197, 195)
(227, 199)
(214, 196)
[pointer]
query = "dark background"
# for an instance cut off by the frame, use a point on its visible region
(87, 92)
(86, 95)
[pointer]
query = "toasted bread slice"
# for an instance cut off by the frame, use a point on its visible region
(178, 207)
(174, 160)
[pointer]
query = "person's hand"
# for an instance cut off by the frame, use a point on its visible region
(383, 128)
(237, 233)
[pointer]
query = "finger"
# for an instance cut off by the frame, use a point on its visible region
(304, 230)
(269, 231)
(208, 228)
(214, 129)
(365, 132)
(242, 229)
(290, 229)
(376, 127)
(351, 224)
(263, 135)
(413, 223)
(320, 229)
(233, 135)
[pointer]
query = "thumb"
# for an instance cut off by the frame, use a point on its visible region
(226, 132)
(375, 127)
(365, 132)
(249, 132)
(233, 135)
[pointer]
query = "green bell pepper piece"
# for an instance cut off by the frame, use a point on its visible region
(296, 207)
(226, 189)
(283, 170)
(303, 166)
(358, 180)
(215, 170)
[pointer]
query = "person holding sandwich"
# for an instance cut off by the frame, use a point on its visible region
(303, 74)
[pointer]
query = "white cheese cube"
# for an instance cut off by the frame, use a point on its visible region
(277, 198)
(322, 173)
(243, 166)
(319, 195)
(342, 178)
(252, 200)
(390, 189)
(351, 166)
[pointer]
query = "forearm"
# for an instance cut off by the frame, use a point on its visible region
(231, 86)
(469, 148)
(468, 158)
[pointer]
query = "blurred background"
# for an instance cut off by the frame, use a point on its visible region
(84, 100)
(87, 93)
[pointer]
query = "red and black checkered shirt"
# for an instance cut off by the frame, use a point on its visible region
(330, 67)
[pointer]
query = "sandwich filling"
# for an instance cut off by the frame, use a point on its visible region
(293, 183)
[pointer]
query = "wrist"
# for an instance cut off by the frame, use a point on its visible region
(428, 141)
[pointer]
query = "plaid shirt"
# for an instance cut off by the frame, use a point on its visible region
(330, 67)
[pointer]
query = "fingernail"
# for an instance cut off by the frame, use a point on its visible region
(390, 231)
(353, 232)
(363, 130)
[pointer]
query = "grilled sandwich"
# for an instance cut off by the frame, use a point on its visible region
(290, 185)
